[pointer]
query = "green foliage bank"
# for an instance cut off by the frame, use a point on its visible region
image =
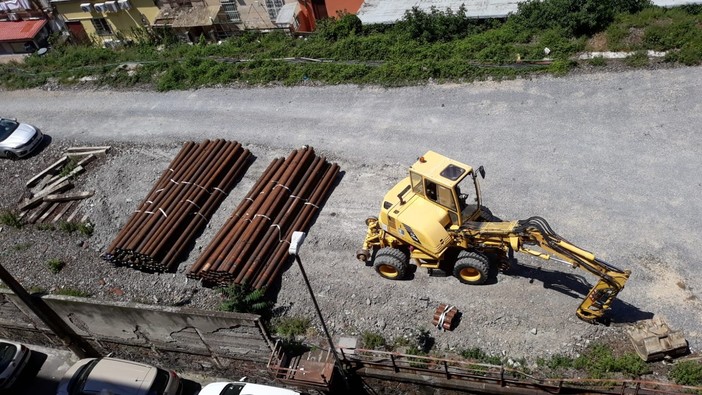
(438, 46)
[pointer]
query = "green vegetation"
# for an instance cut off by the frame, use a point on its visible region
(438, 45)
(55, 265)
(242, 299)
(476, 354)
(598, 61)
(686, 373)
(72, 292)
(373, 340)
(68, 167)
(291, 327)
(85, 229)
(600, 362)
(10, 218)
(22, 246)
(46, 227)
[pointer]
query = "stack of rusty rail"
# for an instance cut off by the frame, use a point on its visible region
(179, 206)
(251, 248)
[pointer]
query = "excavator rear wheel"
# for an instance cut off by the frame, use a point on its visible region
(391, 263)
(471, 268)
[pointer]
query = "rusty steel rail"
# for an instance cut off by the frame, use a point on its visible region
(251, 247)
(179, 205)
(493, 379)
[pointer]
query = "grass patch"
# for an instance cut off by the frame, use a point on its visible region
(55, 265)
(242, 299)
(46, 227)
(476, 354)
(600, 363)
(598, 61)
(10, 218)
(291, 327)
(72, 292)
(86, 229)
(637, 59)
(22, 246)
(373, 340)
(68, 167)
(686, 373)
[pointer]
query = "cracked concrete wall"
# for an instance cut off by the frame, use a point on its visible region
(219, 334)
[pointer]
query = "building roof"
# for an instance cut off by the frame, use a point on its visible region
(391, 11)
(187, 16)
(20, 30)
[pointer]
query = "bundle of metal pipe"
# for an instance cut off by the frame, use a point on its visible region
(179, 205)
(251, 247)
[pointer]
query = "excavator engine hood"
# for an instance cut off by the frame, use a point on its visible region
(414, 220)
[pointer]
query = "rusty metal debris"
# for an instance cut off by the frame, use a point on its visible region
(444, 317)
(179, 205)
(251, 247)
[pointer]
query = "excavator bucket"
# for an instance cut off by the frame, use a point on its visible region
(653, 340)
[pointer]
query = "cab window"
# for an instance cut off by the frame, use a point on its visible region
(416, 181)
(441, 195)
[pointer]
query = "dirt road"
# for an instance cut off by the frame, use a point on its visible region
(611, 160)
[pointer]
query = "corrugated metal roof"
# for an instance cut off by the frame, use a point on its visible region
(390, 11)
(20, 30)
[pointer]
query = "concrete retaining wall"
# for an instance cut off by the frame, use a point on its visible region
(218, 335)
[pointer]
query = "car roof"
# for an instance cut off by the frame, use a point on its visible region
(120, 377)
(248, 389)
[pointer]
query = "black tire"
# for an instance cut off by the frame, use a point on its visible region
(10, 155)
(391, 263)
(471, 268)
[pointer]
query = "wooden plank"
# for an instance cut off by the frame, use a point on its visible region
(66, 197)
(84, 149)
(38, 198)
(52, 168)
(76, 171)
(73, 215)
(86, 160)
(38, 212)
(49, 211)
(55, 188)
(79, 154)
(63, 211)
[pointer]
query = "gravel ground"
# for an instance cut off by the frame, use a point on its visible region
(610, 159)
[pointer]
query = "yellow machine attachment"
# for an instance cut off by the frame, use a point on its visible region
(519, 235)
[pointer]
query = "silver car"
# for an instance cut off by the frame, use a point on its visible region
(118, 377)
(13, 359)
(18, 139)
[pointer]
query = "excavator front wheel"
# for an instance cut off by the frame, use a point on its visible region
(391, 263)
(471, 268)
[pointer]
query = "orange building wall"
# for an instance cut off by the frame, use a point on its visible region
(347, 6)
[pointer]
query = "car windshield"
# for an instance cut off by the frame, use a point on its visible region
(7, 352)
(160, 383)
(7, 126)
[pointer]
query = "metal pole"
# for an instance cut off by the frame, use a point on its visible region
(316, 307)
(70, 339)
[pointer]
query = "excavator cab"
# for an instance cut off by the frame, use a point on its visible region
(451, 185)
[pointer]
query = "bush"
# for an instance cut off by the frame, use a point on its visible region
(242, 298)
(637, 59)
(291, 327)
(10, 218)
(686, 373)
(55, 265)
(373, 341)
(600, 362)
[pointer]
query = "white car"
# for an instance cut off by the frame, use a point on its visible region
(13, 359)
(118, 377)
(242, 388)
(18, 139)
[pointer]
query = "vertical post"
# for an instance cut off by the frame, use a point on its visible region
(70, 339)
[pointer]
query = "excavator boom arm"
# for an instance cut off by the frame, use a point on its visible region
(518, 235)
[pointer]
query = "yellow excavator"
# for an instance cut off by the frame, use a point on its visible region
(435, 219)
